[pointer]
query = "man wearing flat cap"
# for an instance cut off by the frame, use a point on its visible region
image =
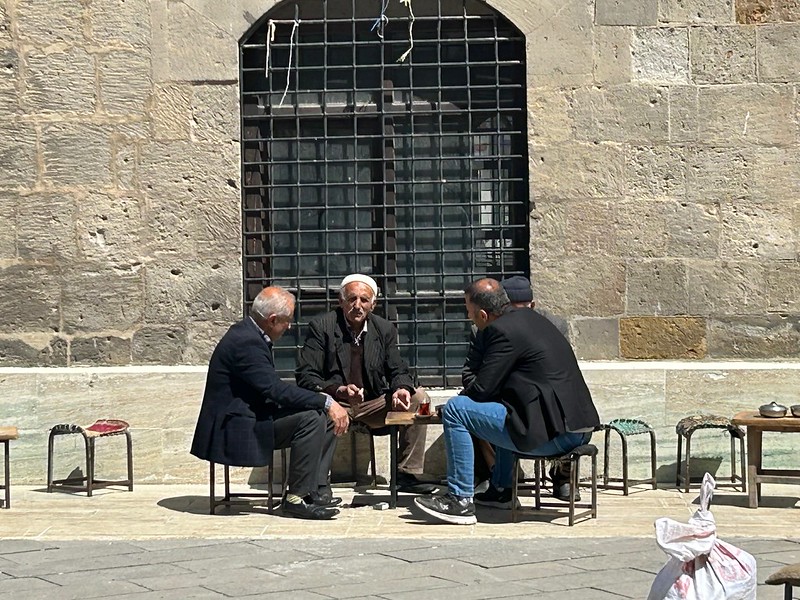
(352, 354)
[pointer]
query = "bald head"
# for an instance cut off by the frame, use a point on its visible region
(487, 294)
(273, 311)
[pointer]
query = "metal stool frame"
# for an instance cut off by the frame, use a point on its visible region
(573, 457)
(89, 482)
(6, 435)
(623, 437)
(683, 477)
(234, 498)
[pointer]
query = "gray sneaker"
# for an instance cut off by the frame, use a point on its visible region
(448, 508)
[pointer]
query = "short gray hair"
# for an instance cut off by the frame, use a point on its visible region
(489, 295)
(272, 300)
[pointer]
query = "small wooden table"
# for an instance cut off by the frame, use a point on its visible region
(394, 420)
(756, 475)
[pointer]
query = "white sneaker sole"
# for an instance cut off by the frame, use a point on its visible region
(454, 519)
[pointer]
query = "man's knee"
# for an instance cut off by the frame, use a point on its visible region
(311, 422)
(455, 406)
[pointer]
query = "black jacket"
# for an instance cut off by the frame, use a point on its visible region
(528, 366)
(242, 393)
(325, 360)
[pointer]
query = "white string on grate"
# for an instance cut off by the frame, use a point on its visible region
(267, 42)
(295, 25)
(410, 30)
(382, 20)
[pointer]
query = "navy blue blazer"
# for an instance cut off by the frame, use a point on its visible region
(243, 392)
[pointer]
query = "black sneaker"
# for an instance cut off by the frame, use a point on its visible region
(495, 498)
(448, 508)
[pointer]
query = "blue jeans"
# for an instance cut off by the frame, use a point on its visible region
(463, 416)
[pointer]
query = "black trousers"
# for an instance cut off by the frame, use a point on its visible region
(309, 436)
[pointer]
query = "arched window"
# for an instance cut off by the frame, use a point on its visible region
(413, 171)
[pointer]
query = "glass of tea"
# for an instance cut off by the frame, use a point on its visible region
(424, 409)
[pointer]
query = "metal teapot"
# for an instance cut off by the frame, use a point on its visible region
(795, 408)
(773, 409)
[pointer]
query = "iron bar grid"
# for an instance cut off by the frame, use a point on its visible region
(413, 172)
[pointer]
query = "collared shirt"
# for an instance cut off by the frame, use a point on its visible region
(262, 333)
(357, 339)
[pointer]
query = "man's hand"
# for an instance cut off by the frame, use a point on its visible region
(350, 392)
(340, 418)
(401, 399)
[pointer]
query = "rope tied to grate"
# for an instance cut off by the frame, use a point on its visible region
(411, 20)
(270, 39)
(382, 20)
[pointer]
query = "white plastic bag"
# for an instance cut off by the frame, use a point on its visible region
(700, 566)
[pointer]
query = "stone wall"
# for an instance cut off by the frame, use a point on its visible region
(664, 169)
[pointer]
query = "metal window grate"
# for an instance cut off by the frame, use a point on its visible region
(413, 172)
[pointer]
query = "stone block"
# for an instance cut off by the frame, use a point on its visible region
(633, 114)
(656, 288)
(202, 338)
(627, 393)
(719, 174)
(197, 49)
(30, 298)
(548, 119)
(717, 12)
(779, 53)
(662, 337)
(159, 345)
(77, 154)
(9, 77)
(18, 156)
(723, 54)
(46, 226)
(726, 288)
(580, 287)
(125, 82)
(36, 351)
(120, 23)
(97, 297)
(590, 229)
(8, 234)
(578, 170)
(740, 115)
(694, 229)
(612, 55)
(783, 286)
(626, 12)
(5, 26)
(778, 172)
(101, 350)
(548, 225)
(641, 228)
(19, 399)
(559, 47)
(656, 171)
(682, 113)
(752, 229)
(180, 291)
(660, 55)
(767, 11)
(62, 21)
(756, 337)
(595, 339)
(171, 111)
(215, 112)
(110, 229)
(219, 226)
(57, 82)
(124, 165)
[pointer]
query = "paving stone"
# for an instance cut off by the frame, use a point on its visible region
(662, 337)
(718, 12)
(612, 55)
(63, 554)
(387, 587)
(60, 82)
(660, 55)
(747, 114)
(28, 586)
(193, 593)
(723, 54)
(626, 12)
(497, 589)
(779, 52)
(205, 576)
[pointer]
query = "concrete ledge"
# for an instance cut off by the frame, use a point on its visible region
(161, 404)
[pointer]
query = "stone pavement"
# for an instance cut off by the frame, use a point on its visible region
(159, 542)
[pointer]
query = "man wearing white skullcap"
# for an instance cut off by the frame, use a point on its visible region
(352, 354)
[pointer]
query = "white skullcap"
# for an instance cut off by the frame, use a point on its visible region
(358, 277)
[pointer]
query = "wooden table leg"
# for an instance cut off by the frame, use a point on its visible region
(393, 466)
(753, 464)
